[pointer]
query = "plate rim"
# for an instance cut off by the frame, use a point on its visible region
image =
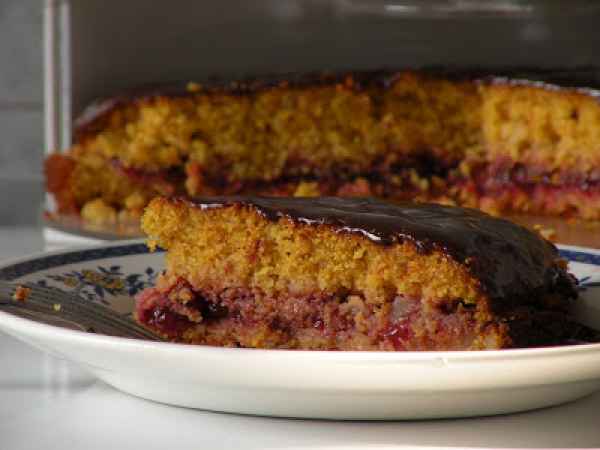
(4, 263)
(463, 356)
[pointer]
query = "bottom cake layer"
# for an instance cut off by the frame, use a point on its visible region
(514, 188)
(116, 194)
(243, 318)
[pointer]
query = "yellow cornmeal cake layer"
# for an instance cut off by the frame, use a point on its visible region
(408, 135)
(257, 136)
(541, 127)
(302, 273)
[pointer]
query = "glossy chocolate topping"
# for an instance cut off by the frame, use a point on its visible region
(509, 260)
(585, 80)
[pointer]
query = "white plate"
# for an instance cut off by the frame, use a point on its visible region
(332, 385)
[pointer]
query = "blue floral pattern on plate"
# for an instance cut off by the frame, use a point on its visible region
(104, 281)
(112, 275)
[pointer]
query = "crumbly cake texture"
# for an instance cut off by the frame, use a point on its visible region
(350, 274)
(494, 143)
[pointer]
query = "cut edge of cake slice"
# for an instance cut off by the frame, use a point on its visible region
(349, 274)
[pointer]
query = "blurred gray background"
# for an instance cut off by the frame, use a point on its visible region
(145, 41)
(21, 111)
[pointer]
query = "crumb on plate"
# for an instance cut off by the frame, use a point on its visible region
(21, 293)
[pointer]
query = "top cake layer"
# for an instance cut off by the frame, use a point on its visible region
(582, 80)
(508, 259)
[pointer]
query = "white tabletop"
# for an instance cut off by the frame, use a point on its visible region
(48, 403)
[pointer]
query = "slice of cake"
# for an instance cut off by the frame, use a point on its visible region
(350, 274)
(499, 143)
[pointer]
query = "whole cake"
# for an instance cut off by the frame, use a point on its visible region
(519, 142)
(350, 274)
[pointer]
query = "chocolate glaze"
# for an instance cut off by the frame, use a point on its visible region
(513, 264)
(585, 80)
